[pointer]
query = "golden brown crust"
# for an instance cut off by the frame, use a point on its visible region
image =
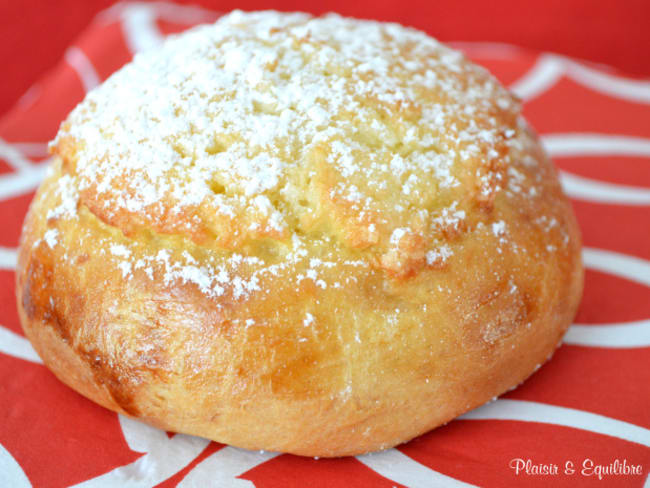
(404, 377)
(327, 336)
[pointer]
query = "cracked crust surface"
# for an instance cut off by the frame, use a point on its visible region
(314, 235)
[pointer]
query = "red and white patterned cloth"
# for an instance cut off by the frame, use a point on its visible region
(591, 403)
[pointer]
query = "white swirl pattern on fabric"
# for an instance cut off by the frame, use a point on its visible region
(7, 258)
(11, 474)
(588, 144)
(78, 61)
(164, 456)
(140, 30)
(623, 335)
(13, 156)
(224, 466)
(582, 188)
(527, 411)
(550, 68)
(17, 346)
(21, 182)
(622, 265)
(397, 466)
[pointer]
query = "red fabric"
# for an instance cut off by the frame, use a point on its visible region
(35, 33)
(57, 438)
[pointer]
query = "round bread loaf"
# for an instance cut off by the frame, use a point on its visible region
(322, 236)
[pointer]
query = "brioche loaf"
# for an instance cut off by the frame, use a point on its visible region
(322, 236)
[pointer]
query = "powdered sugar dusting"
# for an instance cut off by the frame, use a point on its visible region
(67, 192)
(284, 128)
(309, 319)
(50, 237)
(120, 250)
(438, 256)
(245, 108)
